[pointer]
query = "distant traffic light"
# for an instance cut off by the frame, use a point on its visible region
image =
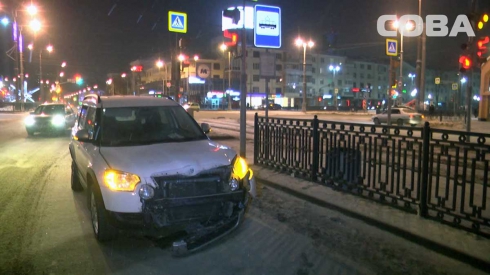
(78, 80)
(482, 21)
(483, 48)
(465, 63)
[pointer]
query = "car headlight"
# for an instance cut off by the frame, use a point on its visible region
(120, 181)
(58, 120)
(239, 172)
(146, 192)
(29, 121)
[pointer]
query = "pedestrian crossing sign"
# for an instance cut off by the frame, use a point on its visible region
(391, 47)
(177, 22)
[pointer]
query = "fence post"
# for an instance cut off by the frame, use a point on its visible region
(256, 138)
(424, 186)
(316, 149)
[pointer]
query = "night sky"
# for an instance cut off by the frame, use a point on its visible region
(97, 37)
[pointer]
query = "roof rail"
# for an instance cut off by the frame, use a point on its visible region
(93, 97)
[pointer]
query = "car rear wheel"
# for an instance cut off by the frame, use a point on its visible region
(376, 121)
(75, 180)
(103, 230)
(399, 122)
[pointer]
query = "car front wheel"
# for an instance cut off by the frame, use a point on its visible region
(376, 121)
(103, 230)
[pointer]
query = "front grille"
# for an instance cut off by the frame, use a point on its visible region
(214, 181)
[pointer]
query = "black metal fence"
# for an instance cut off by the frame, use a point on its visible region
(439, 174)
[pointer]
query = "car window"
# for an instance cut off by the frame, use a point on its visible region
(81, 117)
(69, 110)
(395, 111)
(145, 125)
(90, 122)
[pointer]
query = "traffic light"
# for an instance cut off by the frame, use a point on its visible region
(319, 99)
(483, 45)
(232, 38)
(483, 19)
(78, 80)
(234, 14)
(465, 63)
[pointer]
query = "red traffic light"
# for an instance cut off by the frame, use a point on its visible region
(465, 62)
(233, 36)
(483, 46)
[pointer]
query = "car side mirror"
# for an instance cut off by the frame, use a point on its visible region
(205, 128)
(82, 135)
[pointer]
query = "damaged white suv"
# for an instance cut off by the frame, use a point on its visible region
(148, 166)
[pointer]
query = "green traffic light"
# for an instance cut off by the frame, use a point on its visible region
(404, 91)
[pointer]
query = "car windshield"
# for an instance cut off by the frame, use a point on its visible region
(146, 125)
(50, 109)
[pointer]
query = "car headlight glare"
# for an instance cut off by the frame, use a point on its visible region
(58, 120)
(146, 192)
(240, 168)
(29, 121)
(120, 181)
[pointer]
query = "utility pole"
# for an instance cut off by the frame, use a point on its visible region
(229, 80)
(418, 69)
(469, 80)
(41, 82)
(392, 80)
(422, 69)
(243, 88)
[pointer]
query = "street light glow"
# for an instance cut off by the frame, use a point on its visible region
(32, 9)
(223, 47)
(49, 48)
(299, 42)
(123, 75)
(196, 57)
(35, 25)
(63, 64)
(5, 21)
(159, 63)
(62, 74)
(181, 57)
(463, 80)
(311, 43)
(109, 81)
(30, 46)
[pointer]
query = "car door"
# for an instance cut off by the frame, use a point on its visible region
(395, 115)
(86, 121)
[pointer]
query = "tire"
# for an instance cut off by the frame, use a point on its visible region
(103, 230)
(399, 122)
(75, 180)
(376, 121)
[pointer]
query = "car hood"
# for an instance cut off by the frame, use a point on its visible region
(162, 159)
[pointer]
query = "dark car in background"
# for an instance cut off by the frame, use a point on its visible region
(50, 117)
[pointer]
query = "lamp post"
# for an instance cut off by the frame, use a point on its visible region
(300, 43)
(334, 69)
(49, 48)
(161, 64)
(409, 26)
(196, 58)
(35, 26)
(412, 76)
(223, 47)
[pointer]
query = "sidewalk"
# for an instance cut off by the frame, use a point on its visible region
(443, 239)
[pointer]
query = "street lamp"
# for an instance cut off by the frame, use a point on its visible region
(334, 70)
(409, 26)
(32, 10)
(35, 25)
(223, 47)
(161, 64)
(300, 43)
(63, 64)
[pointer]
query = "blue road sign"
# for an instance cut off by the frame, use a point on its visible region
(391, 47)
(267, 26)
(177, 21)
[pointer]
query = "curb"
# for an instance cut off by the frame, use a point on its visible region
(425, 242)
